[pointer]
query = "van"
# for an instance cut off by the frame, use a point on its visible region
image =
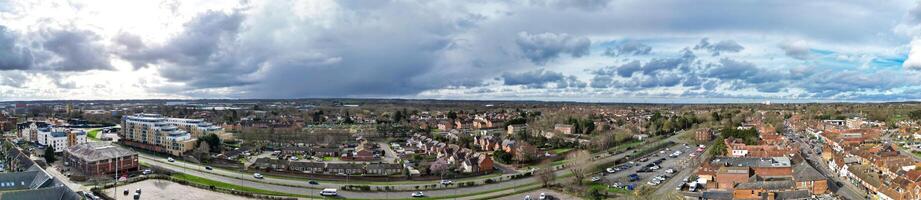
(328, 192)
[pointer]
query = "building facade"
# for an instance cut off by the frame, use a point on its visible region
(95, 159)
(153, 132)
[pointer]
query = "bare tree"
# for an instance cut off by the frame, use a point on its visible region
(545, 173)
(580, 165)
(525, 152)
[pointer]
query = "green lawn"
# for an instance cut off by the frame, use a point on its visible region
(92, 134)
(329, 158)
(561, 150)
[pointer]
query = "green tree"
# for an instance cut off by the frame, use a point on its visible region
(213, 142)
(49, 154)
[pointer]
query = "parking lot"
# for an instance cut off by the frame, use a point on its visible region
(657, 164)
(551, 194)
(162, 189)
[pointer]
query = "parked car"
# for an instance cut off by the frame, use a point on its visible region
(634, 177)
(611, 170)
(258, 176)
(446, 182)
(543, 196)
(596, 178)
(208, 167)
(127, 191)
(170, 159)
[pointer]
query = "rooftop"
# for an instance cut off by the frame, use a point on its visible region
(93, 151)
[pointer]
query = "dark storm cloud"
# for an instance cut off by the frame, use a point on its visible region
(654, 65)
(12, 55)
(543, 47)
(628, 48)
(541, 79)
(78, 50)
(730, 46)
(53, 49)
(203, 55)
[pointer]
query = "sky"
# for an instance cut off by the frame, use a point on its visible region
(671, 51)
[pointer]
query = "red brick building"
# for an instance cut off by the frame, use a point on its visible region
(95, 159)
(704, 134)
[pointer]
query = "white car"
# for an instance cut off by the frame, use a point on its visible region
(542, 196)
(170, 159)
(596, 179)
(258, 176)
(418, 194)
(652, 183)
(611, 170)
(446, 182)
(328, 192)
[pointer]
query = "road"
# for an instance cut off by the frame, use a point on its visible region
(303, 188)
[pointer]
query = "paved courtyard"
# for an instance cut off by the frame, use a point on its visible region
(167, 190)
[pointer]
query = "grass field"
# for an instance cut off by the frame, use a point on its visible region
(93, 133)
(203, 181)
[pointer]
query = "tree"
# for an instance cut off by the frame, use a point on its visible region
(525, 152)
(212, 141)
(502, 156)
(49, 154)
(545, 173)
(582, 165)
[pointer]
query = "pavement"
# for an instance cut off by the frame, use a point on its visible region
(161, 189)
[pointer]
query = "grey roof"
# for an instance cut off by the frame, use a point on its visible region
(796, 194)
(93, 151)
(50, 193)
(767, 185)
(804, 172)
(720, 195)
(751, 162)
(32, 179)
(58, 134)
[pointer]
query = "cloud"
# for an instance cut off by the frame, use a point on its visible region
(914, 56)
(542, 79)
(53, 49)
(543, 47)
(628, 48)
(797, 49)
(75, 50)
(590, 5)
(205, 55)
(729, 46)
(12, 55)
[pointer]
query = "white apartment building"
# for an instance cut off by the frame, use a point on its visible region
(52, 137)
(154, 132)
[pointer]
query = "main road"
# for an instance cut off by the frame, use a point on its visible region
(302, 187)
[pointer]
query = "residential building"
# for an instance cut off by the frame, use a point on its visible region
(153, 132)
(96, 158)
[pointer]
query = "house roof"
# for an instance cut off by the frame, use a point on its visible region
(767, 185)
(93, 151)
(50, 193)
(804, 172)
(796, 194)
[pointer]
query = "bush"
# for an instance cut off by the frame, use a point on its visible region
(490, 181)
